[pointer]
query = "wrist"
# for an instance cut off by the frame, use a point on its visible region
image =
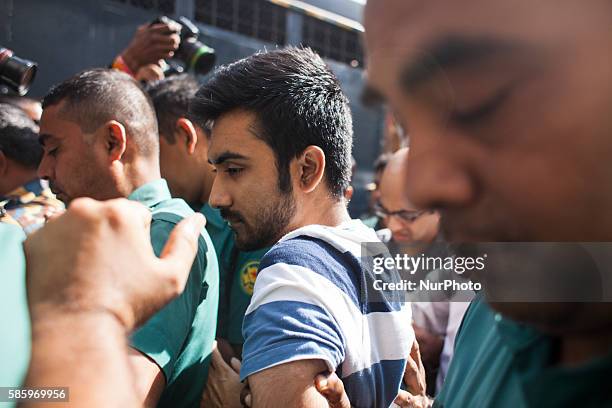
(127, 63)
(56, 315)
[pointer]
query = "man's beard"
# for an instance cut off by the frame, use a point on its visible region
(266, 228)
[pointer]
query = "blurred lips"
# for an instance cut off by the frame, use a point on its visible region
(231, 217)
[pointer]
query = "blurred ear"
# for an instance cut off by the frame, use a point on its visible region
(311, 167)
(189, 132)
(115, 141)
(3, 163)
(348, 193)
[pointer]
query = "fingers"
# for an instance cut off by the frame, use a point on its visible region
(150, 73)
(217, 359)
(245, 396)
(165, 42)
(406, 400)
(414, 376)
(332, 388)
(236, 365)
(152, 43)
(180, 250)
(163, 28)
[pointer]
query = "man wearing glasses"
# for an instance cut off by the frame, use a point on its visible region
(411, 230)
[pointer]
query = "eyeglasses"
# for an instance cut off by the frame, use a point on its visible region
(406, 215)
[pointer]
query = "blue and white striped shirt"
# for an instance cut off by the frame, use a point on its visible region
(307, 305)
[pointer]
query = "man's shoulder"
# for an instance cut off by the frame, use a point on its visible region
(313, 254)
(165, 216)
(308, 269)
(176, 206)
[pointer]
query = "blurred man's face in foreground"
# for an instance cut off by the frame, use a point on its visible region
(508, 106)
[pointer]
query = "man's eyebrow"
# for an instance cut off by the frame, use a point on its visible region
(450, 53)
(227, 156)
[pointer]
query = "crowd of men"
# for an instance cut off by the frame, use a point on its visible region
(206, 256)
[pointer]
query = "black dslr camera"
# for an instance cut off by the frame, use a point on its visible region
(16, 73)
(192, 53)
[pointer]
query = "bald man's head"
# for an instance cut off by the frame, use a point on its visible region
(392, 182)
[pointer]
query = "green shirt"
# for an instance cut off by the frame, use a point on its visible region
(15, 328)
(499, 363)
(179, 338)
(237, 270)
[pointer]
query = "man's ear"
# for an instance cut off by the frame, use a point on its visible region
(348, 193)
(311, 167)
(191, 136)
(115, 140)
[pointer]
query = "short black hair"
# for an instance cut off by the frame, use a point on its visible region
(95, 96)
(171, 98)
(298, 102)
(19, 137)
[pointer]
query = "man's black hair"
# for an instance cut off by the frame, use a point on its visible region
(92, 98)
(19, 137)
(171, 98)
(297, 101)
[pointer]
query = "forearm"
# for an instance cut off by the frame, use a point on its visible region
(86, 352)
(289, 385)
(272, 398)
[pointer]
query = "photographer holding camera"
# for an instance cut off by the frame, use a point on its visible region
(153, 43)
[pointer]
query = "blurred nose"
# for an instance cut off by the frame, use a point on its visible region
(45, 168)
(436, 180)
(395, 224)
(219, 197)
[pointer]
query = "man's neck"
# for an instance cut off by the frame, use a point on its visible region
(330, 214)
(139, 174)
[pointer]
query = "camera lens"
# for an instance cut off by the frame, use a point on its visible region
(16, 73)
(199, 57)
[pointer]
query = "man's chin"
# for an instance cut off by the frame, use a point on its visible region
(249, 245)
(246, 242)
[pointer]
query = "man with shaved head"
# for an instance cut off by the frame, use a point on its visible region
(509, 112)
(100, 139)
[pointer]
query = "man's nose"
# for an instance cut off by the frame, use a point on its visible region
(219, 197)
(436, 180)
(395, 224)
(45, 170)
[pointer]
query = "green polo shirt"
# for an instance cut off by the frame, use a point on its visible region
(499, 363)
(15, 328)
(237, 270)
(179, 337)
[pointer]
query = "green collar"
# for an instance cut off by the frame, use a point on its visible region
(152, 193)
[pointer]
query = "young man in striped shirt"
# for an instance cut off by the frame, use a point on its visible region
(280, 136)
